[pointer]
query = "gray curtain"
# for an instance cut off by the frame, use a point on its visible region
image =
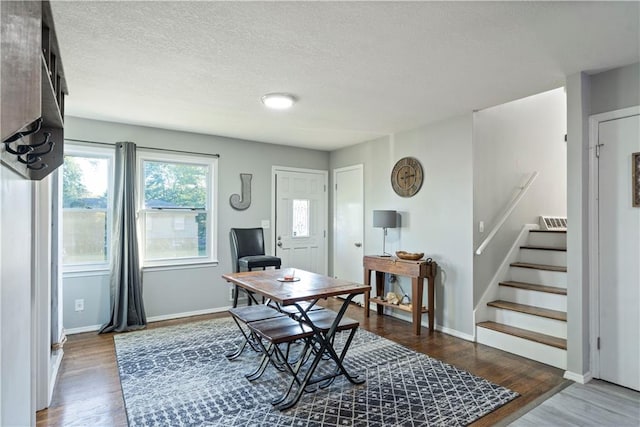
(127, 309)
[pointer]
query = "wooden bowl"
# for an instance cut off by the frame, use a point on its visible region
(411, 256)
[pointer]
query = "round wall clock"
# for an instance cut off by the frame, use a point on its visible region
(406, 177)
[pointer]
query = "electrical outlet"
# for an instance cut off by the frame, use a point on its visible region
(231, 294)
(79, 305)
(481, 226)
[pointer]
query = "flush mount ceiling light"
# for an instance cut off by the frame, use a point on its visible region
(278, 101)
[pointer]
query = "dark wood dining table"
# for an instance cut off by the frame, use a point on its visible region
(306, 288)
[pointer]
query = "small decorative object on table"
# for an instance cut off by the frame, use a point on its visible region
(289, 277)
(392, 298)
(411, 256)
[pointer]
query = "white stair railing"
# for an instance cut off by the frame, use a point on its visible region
(506, 213)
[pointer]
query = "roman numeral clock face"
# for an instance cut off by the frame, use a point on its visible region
(406, 177)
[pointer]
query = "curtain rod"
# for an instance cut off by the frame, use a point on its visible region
(145, 148)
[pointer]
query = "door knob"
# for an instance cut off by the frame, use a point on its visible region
(358, 244)
(279, 244)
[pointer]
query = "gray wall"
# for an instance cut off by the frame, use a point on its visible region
(586, 95)
(15, 300)
(510, 141)
(437, 220)
(615, 89)
(179, 291)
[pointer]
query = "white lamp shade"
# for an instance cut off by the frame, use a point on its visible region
(385, 219)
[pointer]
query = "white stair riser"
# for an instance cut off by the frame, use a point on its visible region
(534, 298)
(538, 277)
(539, 256)
(557, 240)
(530, 349)
(543, 325)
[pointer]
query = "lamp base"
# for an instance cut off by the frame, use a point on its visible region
(385, 255)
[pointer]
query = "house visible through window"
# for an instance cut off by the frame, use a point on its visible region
(86, 206)
(176, 197)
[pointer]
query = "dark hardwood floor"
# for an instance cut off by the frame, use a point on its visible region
(88, 390)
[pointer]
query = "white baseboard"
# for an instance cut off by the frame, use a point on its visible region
(439, 328)
(579, 378)
(455, 333)
(82, 329)
(187, 314)
(93, 328)
(55, 362)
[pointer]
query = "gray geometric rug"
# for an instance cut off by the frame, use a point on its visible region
(178, 376)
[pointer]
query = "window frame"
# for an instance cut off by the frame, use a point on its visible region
(211, 208)
(78, 150)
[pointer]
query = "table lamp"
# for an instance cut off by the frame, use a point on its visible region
(384, 220)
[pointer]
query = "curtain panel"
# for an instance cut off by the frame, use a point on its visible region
(127, 308)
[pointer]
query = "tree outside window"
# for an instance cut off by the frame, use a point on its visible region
(85, 206)
(176, 210)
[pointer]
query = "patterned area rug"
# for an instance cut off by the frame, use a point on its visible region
(178, 376)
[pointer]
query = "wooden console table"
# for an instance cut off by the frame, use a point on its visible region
(417, 270)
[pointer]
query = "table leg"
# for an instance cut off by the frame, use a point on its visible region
(432, 297)
(367, 295)
(416, 288)
(380, 290)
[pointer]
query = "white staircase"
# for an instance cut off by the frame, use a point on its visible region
(528, 317)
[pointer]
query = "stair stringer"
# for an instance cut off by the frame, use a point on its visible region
(482, 312)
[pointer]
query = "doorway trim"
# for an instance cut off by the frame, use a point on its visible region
(334, 197)
(594, 268)
(272, 233)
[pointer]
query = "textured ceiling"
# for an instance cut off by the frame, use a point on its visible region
(361, 70)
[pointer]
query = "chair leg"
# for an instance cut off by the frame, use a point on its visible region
(342, 354)
(235, 296)
(264, 362)
(293, 371)
(248, 339)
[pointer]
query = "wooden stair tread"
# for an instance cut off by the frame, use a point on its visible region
(548, 231)
(535, 287)
(526, 334)
(544, 248)
(529, 309)
(539, 266)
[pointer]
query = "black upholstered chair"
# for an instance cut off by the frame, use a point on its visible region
(247, 250)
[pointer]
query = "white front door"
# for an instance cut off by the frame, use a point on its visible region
(619, 253)
(348, 229)
(301, 218)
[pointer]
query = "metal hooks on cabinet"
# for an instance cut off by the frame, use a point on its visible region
(28, 150)
(19, 135)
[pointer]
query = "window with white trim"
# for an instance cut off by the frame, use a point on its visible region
(87, 180)
(177, 215)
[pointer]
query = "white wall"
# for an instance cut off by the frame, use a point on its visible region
(586, 95)
(510, 141)
(615, 89)
(437, 220)
(15, 300)
(168, 293)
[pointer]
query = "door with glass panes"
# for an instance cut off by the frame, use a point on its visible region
(301, 219)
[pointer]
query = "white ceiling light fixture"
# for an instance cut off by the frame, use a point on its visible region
(278, 101)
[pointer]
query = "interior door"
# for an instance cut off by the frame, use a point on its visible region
(619, 253)
(301, 219)
(348, 230)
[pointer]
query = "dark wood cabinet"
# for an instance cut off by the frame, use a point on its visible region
(33, 90)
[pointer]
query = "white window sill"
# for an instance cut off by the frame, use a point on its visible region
(88, 272)
(182, 266)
